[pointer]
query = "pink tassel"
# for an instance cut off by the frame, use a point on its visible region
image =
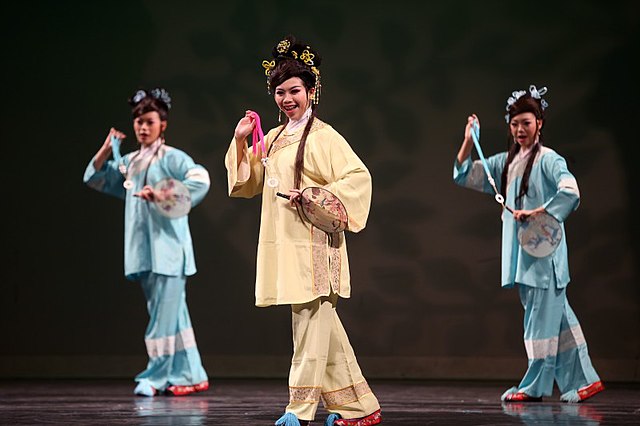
(258, 135)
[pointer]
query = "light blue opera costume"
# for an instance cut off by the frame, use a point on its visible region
(555, 345)
(158, 252)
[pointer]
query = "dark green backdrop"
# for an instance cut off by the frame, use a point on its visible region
(399, 80)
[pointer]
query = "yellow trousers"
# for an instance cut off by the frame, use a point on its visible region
(324, 365)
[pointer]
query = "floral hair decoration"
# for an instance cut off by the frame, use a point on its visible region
(533, 92)
(288, 48)
(158, 93)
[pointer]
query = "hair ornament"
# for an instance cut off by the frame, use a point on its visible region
(288, 48)
(318, 86)
(138, 96)
(283, 46)
(537, 94)
(158, 93)
(515, 95)
(533, 92)
(163, 95)
(268, 66)
(307, 57)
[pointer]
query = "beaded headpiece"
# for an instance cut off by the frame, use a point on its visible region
(158, 93)
(288, 48)
(533, 92)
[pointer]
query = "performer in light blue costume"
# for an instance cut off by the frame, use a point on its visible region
(535, 180)
(158, 251)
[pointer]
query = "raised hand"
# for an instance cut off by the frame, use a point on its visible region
(244, 127)
(468, 128)
(105, 150)
(467, 142)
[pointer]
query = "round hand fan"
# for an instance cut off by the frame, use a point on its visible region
(539, 235)
(322, 209)
(174, 199)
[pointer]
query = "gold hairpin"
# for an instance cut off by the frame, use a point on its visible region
(307, 57)
(283, 46)
(268, 66)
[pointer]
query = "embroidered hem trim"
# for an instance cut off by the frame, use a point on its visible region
(346, 395)
(326, 262)
(304, 394)
(542, 348)
(286, 140)
(169, 345)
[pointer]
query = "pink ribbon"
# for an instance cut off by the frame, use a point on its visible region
(258, 135)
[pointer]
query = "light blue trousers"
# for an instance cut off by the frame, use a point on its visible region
(173, 354)
(556, 347)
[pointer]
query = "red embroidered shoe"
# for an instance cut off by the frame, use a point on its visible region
(583, 393)
(201, 387)
(521, 397)
(590, 390)
(372, 419)
(178, 390)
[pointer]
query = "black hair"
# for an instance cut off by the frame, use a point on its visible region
(526, 103)
(294, 59)
(144, 101)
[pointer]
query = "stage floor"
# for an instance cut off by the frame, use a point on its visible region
(261, 402)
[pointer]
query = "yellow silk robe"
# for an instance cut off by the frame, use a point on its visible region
(296, 262)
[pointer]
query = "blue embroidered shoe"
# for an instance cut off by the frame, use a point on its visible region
(290, 419)
(331, 419)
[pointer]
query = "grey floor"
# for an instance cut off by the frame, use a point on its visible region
(260, 402)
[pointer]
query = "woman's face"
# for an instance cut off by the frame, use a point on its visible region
(524, 129)
(292, 98)
(148, 127)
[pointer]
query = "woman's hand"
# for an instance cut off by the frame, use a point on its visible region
(147, 193)
(244, 127)
(522, 215)
(468, 139)
(107, 141)
(467, 142)
(295, 196)
(105, 150)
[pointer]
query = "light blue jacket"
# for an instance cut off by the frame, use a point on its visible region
(153, 242)
(552, 186)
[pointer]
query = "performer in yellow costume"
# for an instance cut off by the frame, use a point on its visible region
(299, 264)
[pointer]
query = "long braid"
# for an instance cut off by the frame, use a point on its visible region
(524, 185)
(513, 151)
(299, 162)
(277, 136)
